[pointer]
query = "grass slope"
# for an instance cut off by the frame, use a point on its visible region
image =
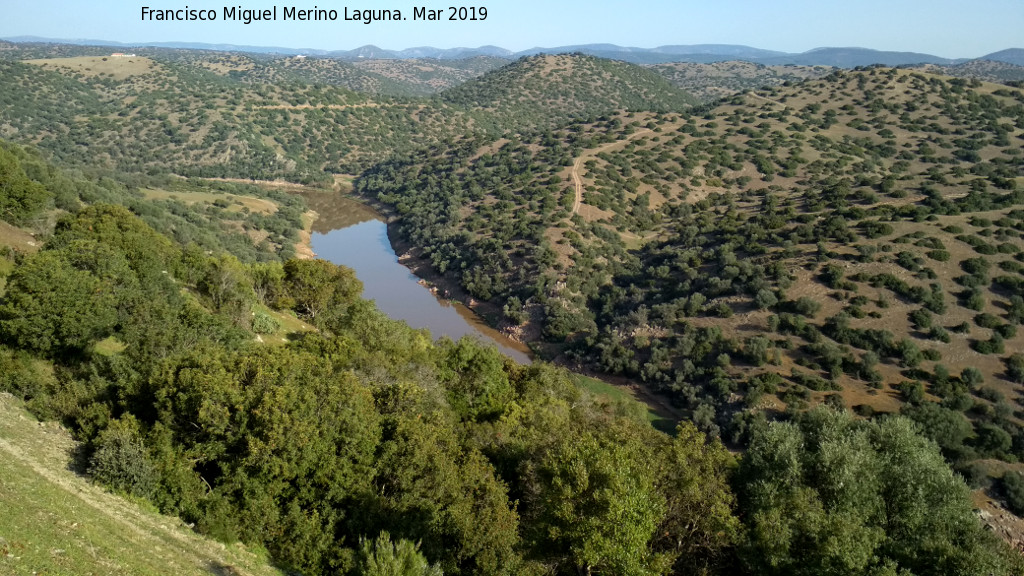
(54, 521)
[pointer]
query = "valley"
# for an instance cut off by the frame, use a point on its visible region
(723, 317)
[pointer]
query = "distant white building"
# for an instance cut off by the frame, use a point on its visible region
(122, 55)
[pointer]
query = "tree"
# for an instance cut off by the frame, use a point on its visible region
(382, 557)
(829, 494)
(474, 376)
(1015, 367)
(698, 526)
(317, 286)
(430, 489)
(121, 460)
(592, 504)
(63, 300)
(20, 197)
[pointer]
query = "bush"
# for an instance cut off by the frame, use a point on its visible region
(386, 558)
(806, 306)
(1013, 488)
(1015, 368)
(121, 461)
(765, 298)
(263, 323)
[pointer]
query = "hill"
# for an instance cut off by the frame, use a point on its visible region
(709, 82)
(143, 121)
(852, 240)
(700, 53)
(547, 90)
(981, 69)
(1013, 56)
(266, 118)
(390, 77)
(358, 442)
(423, 76)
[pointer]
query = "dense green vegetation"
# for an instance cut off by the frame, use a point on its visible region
(363, 444)
(852, 241)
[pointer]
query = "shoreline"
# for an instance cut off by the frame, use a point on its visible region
(304, 247)
(444, 287)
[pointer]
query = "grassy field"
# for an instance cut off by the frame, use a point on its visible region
(289, 325)
(53, 521)
(17, 238)
(611, 394)
(119, 68)
(235, 202)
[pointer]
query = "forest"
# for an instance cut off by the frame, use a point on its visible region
(824, 277)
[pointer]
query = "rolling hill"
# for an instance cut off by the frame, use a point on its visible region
(826, 274)
(853, 239)
(547, 90)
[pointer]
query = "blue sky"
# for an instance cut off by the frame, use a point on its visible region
(950, 28)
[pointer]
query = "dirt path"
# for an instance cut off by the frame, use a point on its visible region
(578, 182)
(759, 97)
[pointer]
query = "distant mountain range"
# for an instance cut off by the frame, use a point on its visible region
(703, 53)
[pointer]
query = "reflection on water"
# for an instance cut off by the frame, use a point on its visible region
(349, 233)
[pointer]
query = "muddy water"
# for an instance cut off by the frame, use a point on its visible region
(352, 234)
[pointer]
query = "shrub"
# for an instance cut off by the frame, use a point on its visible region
(121, 461)
(1013, 488)
(386, 558)
(264, 323)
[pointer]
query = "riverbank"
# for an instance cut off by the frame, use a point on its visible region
(304, 247)
(447, 287)
(339, 209)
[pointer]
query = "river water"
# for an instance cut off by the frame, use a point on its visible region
(350, 233)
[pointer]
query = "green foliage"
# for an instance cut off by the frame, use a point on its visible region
(1015, 367)
(317, 286)
(21, 198)
(593, 505)
(830, 494)
(263, 323)
(1013, 487)
(61, 301)
(382, 557)
(474, 376)
(121, 461)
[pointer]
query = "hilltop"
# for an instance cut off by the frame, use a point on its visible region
(548, 90)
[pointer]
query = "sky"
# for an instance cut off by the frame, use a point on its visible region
(947, 28)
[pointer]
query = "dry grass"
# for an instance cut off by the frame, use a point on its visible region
(258, 205)
(119, 68)
(17, 238)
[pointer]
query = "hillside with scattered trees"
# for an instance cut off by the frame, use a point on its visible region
(823, 278)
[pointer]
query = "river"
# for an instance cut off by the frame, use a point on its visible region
(350, 233)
